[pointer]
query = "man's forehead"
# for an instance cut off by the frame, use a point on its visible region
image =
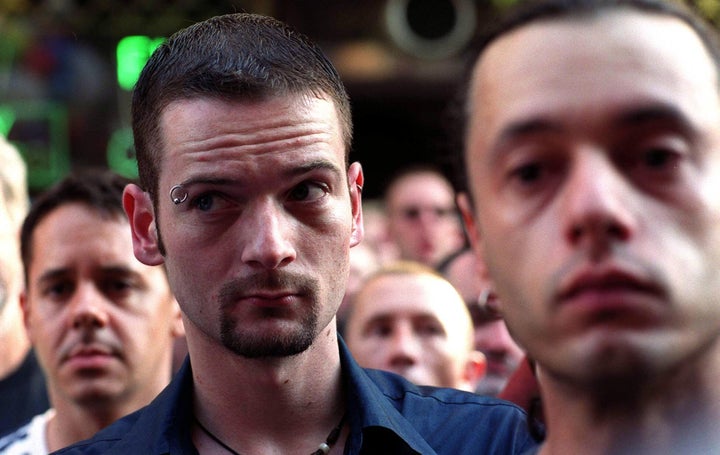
(610, 21)
(605, 58)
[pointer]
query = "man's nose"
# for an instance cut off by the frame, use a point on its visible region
(595, 202)
(404, 347)
(88, 307)
(267, 235)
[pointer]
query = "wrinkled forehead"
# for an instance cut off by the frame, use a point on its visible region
(415, 295)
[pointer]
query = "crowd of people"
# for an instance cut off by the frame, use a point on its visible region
(242, 297)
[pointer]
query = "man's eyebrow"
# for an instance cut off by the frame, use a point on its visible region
(302, 169)
(634, 116)
(53, 274)
(526, 127)
(522, 128)
(320, 164)
(119, 270)
(654, 113)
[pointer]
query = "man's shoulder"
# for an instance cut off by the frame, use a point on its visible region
(27, 439)
(403, 393)
(146, 430)
(453, 421)
(109, 437)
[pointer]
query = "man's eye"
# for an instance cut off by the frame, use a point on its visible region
(379, 330)
(117, 285)
(57, 290)
(658, 158)
(204, 202)
(308, 191)
(210, 201)
(528, 173)
(430, 330)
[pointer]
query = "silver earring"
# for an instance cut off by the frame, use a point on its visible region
(484, 297)
(178, 194)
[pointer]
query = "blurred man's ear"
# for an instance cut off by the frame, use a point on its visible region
(476, 241)
(468, 216)
(475, 368)
(139, 210)
(25, 307)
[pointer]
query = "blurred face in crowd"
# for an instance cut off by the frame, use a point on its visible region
(11, 274)
(491, 335)
(415, 325)
(101, 322)
(422, 218)
(594, 164)
(257, 251)
(363, 262)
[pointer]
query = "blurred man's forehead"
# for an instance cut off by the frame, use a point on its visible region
(580, 53)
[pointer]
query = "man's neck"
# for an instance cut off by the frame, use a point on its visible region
(255, 404)
(663, 415)
(14, 343)
(72, 423)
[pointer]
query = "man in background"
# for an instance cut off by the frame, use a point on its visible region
(101, 322)
(491, 336)
(422, 218)
(409, 320)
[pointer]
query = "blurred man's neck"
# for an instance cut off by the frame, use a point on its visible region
(14, 343)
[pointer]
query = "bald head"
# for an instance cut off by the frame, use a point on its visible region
(411, 321)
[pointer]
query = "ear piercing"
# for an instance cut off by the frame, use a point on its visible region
(178, 194)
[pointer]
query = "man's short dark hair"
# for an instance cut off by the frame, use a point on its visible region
(231, 57)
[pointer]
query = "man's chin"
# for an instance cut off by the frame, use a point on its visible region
(276, 347)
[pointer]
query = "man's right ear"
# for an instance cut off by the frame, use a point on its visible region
(139, 209)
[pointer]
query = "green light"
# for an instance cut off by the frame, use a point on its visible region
(132, 53)
(121, 154)
(7, 119)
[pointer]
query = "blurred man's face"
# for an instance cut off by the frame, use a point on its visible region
(412, 325)
(101, 322)
(422, 218)
(491, 335)
(11, 273)
(594, 162)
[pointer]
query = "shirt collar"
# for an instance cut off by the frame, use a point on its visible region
(370, 409)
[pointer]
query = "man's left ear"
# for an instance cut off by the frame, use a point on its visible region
(356, 180)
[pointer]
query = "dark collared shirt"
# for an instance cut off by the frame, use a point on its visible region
(23, 395)
(386, 414)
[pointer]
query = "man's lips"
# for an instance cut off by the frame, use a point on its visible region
(83, 350)
(270, 298)
(89, 356)
(607, 287)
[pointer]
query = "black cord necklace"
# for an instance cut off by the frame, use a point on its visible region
(323, 448)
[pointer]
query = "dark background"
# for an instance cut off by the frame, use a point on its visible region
(58, 64)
